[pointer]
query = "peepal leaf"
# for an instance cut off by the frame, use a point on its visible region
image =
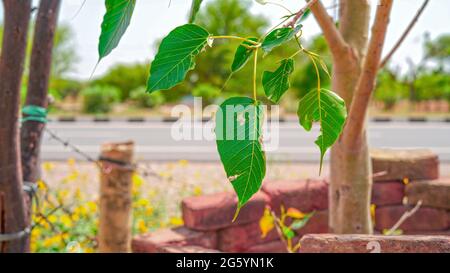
(277, 83)
(242, 55)
(327, 108)
(239, 136)
(194, 10)
(115, 22)
(176, 56)
(279, 36)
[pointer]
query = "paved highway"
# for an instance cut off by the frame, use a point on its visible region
(156, 141)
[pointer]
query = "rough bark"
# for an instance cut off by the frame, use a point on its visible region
(350, 184)
(351, 181)
(40, 66)
(16, 21)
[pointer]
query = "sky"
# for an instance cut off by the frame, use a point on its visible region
(153, 19)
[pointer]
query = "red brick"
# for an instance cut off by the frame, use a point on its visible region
(150, 243)
(388, 193)
(399, 164)
(186, 249)
(425, 219)
(438, 233)
(242, 237)
(432, 193)
(306, 195)
(328, 243)
(271, 247)
(212, 212)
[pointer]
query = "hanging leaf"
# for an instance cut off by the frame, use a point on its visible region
(305, 15)
(239, 137)
(329, 110)
(279, 36)
(242, 55)
(115, 22)
(300, 223)
(194, 10)
(266, 223)
(277, 83)
(176, 56)
(295, 213)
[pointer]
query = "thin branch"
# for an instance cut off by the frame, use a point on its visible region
(332, 35)
(366, 82)
(404, 217)
(405, 34)
(300, 13)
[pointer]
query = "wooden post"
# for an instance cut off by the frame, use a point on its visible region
(115, 197)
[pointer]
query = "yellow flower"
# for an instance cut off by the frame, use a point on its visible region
(149, 211)
(142, 227)
(197, 191)
(143, 202)
(48, 167)
(373, 209)
(137, 180)
(183, 163)
(41, 185)
(71, 162)
(52, 219)
(66, 221)
(92, 206)
(62, 195)
(81, 211)
(176, 221)
(72, 176)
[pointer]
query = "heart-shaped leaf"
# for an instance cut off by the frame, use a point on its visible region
(327, 108)
(176, 56)
(243, 54)
(279, 36)
(239, 137)
(194, 10)
(115, 22)
(277, 83)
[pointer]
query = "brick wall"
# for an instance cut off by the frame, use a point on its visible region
(401, 179)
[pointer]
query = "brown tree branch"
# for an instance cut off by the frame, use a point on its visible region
(405, 34)
(332, 35)
(366, 82)
(300, 13)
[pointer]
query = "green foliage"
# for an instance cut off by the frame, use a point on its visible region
(433, 86)
(125, 77)
(389, 90)
(277, 83)
(99, 99)
(279, 36)
(64, 52)
(115, 22)
(329, 110)
(238, 134)
(65, 87)
(243, 54)
(439, 49)
(208, 92)
(176, 56)
(144, 100)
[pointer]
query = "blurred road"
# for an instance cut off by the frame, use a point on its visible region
(155, 142)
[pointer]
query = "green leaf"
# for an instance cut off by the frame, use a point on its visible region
(329, 110)
(194, 10)
(277, 83)
(242, 55)
(300, 223)
(305, 15)
(239, 137)
(115, 22)
(288, 233)
(279, 36)
(176, 56)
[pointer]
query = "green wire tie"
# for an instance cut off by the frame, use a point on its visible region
(34, 113)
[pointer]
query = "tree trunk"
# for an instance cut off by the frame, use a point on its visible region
(17, 17)
(40, 65)
(351, 181)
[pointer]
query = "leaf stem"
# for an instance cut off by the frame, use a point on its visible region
(235, 38)
(255, 94)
